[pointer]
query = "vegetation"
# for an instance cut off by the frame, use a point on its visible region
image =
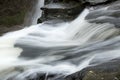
(12, 12)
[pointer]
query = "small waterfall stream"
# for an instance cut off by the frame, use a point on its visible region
(37, 10)
(61, 50)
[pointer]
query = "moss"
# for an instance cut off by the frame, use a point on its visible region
(92, 75)
(12, 20)
(12, 12)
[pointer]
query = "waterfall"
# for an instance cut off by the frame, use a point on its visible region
(38, 12)
(34, 14)
(62, 49)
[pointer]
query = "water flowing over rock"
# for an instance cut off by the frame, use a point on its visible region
(94, 2)
(109, 14)
(99, 72)
(87, 48)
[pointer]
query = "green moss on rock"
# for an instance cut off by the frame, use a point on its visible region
(12, 12)
(92, 75)
(13, 20)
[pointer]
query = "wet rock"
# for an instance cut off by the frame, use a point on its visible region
(68, 10)
(105, 71)
(12, 14)
(61, 11)
(91, 75)
(105, 15)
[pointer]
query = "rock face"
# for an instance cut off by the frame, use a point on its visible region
(67, 10)
(12, 13)
(61, 10)
(99, 72)
(96, 2)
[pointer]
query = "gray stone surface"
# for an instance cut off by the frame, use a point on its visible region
(61, 11)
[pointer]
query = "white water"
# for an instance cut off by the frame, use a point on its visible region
(38, 12)
(34, 13)
(57, 44)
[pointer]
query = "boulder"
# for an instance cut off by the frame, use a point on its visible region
(61, 11)
(105, 71)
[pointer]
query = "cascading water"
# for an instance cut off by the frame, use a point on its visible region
(60, 50)
(38, 12)
(32, 16)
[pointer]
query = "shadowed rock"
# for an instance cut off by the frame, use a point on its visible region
(61, 11)
(13, 13)
(106, 71)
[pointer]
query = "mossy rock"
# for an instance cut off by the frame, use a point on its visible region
(12, 12)
(16, 19)
(91, 75)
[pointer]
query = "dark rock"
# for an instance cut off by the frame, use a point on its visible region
(64, 10)
(91, 75)
(105, 71)
(61, 11)
(5, 29)
(12, 14)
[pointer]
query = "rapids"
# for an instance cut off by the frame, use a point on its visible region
(62, 49)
